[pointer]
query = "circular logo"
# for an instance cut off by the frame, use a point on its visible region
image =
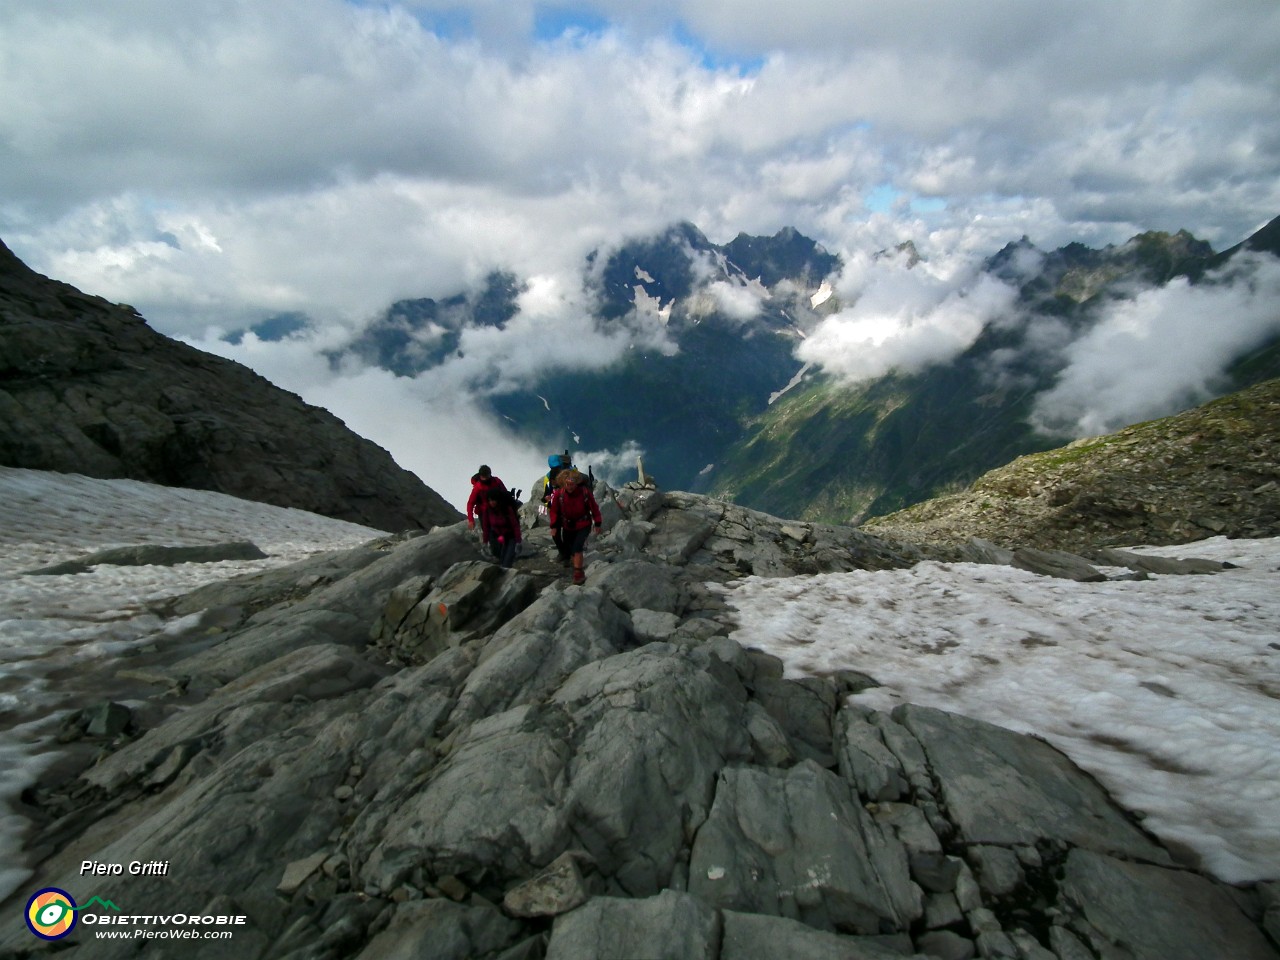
(51, 913)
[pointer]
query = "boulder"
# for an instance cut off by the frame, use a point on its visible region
(669, 924)
(154, 555)
(555, 890)
(1145, 910)
(640, 584)
(442, 930)
(753, 936)
(795, 844)
(1007, 789)
(533, 654)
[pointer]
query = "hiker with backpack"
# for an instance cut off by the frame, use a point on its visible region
(500, 526)
(481, 483)
(556, 463)
(573, 512)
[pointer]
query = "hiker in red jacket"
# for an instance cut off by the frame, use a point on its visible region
(481, 483)
(500, 524)
(573, 512)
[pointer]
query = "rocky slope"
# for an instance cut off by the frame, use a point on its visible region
(404, 751)
(1214, 470)
(87, 387)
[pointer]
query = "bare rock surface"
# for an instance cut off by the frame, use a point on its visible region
(538, 777)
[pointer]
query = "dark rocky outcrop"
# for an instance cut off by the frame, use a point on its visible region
(1210, 471)
(158, 554)
(402, 751)
(87, 387)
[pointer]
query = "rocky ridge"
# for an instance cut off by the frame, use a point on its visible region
(87, 387)
(1212, 471)
(403, 750)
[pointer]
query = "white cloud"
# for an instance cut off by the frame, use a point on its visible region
(431, 429)
(738, 301)
(1163, 351)
(903, 318)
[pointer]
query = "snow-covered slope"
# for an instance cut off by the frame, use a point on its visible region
(59, 634)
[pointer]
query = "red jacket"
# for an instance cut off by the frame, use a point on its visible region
(477, 503)
(574, 510)
(501, 522)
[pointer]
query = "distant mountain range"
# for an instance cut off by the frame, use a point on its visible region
(835, 452)
(710, 389)
(723, 406)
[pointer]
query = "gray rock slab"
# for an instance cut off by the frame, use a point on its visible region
(805, 708)
(640, 584)
(678, 535)
(977, 550)
(670, 925)
(651, 626)
(998, 870)
(297, 872)
(341, 612)
(1056, 563)
(495, 804)
(469, 600)
(239, 713)
(1166, 566)
(237, 825)
(653, 728)
(946, 945)
(253, 592)
(1270, 893)
(108, 719)
(159, 555)
(903, 745)
(532, 654)
(752, 936)
(865, 761)
(771, 747)
(796, 844)
(1007, 789)
(909, 824)
(620, 762)
(441, 930)
(1152, 913)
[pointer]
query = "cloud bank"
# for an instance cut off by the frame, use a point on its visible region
(1163, 351)
(903, 318)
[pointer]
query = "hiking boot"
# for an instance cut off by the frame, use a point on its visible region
(579, 577)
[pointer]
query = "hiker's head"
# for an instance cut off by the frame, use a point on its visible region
(484, 472)
(495, 496)
(570, 479)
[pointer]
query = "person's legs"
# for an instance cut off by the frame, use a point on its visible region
(562, 547)
(576, 548)
(509, 552)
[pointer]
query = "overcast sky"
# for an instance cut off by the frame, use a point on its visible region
(215, 162)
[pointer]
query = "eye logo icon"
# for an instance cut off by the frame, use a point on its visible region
(51, 913)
